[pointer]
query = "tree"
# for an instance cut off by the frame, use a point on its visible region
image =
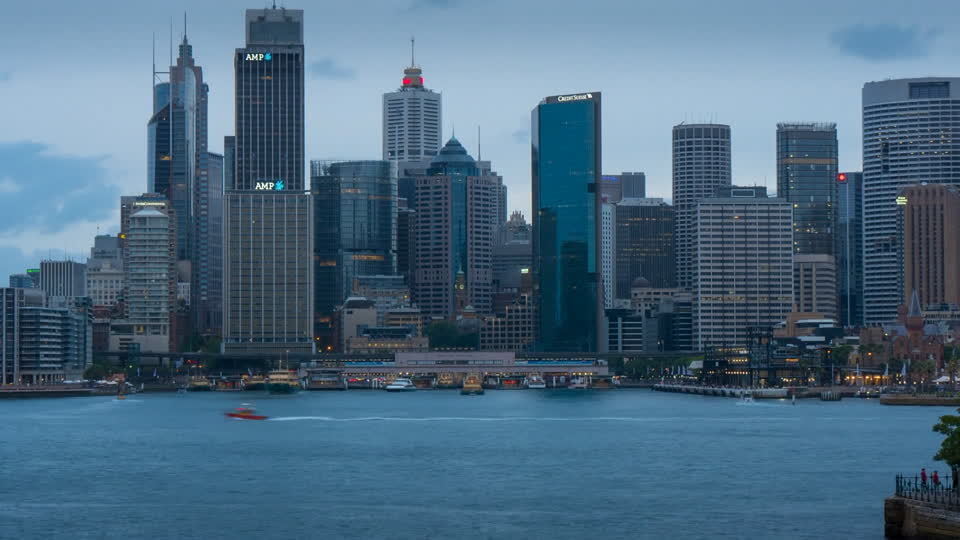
(443, 334)
(949, 452)
(841, 354)
(922, 369)
(95, 372)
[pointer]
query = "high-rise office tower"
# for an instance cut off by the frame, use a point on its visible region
(701, 165)
(807, 179)
(909, 137)
(412, 119)
(849, 244)
(177, 145)
(814, 283)
(105, 276)
(931, 243)
(268, 277)
(150, 284)
(632, 185)
(744, 265)
(644, 244)
(63, 278)
(406, 257)
(21, 281)
(455, 232)
(412, 128)
(607, 256)
(207, 283)
(355, 231)
(565, 152)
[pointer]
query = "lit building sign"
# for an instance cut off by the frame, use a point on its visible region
(269, 186)
(259, 57)
(901, 201)
(574, 97)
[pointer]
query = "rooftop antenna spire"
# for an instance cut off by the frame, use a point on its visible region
(412, 43)
(184, 26)
(171, 41)
(479, 155)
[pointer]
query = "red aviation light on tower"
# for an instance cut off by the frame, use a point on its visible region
(842, 178)
(406, 81)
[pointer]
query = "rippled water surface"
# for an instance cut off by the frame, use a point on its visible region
(434, 464)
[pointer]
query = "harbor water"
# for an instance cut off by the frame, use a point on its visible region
(435, 464)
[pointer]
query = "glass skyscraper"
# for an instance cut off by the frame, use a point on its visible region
(807, 179)
(910, 136)
(566, 150)
(355, 231)
(644, 244)
(850, 247)
(268, 277)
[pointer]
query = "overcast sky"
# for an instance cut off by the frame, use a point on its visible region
(75, 85)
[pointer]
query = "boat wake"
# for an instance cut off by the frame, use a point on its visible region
(467, 419)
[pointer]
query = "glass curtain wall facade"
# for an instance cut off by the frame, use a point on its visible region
(566, 150)
(355, 231)
(807, 179)
(910, 136)
(850, 247)
(644, 244)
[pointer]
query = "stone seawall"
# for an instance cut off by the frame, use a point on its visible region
(919, 399)
(910, 519)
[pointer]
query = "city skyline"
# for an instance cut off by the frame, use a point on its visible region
(108, 161)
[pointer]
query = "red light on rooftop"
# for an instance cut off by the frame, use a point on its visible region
(406, 81)
(842, 177)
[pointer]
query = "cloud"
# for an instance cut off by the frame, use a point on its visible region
(9, 186)
(47, 193)
(425, 5)
(521, 136)
(883, 42)
(328, 68)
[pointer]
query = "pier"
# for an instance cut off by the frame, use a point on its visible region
(922, 510)
(757, 393)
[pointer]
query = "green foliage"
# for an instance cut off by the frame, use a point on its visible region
(841, 354)
(922, 370)
(96, 372)
(949, 452)
(446, 335)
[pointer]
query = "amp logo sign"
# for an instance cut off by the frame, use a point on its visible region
(269, 186)
(259, 57)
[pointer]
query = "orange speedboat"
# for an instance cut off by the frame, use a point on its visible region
(245, 413)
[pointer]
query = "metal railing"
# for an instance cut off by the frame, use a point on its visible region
(945, 492)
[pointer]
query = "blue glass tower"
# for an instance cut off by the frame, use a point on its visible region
(566, 237)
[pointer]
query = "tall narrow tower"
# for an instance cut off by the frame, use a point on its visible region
(701, 165)
(267, 257)
(412, 128)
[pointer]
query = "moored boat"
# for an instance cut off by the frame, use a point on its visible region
(472, 386)
(282, 381)
(255, 382)
(578, 383)
(401, 384)
(535, 382)
(199, 384)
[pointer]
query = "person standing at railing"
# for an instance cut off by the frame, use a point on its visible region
(923, 478)
(936, 480)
